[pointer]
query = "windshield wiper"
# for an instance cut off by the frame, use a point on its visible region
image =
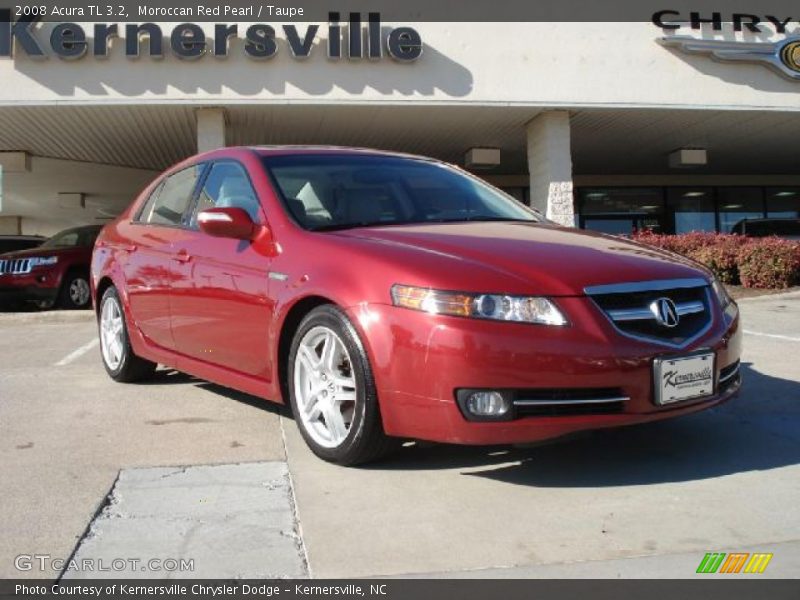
(479, 219)
(341, 226)
(491, 218)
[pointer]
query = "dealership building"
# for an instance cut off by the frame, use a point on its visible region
(676, 124)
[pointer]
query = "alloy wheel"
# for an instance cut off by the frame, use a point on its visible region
(325, 387)
(111, 333)
(79, 291)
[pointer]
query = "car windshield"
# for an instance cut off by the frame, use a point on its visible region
(341, 191)
(73, 238)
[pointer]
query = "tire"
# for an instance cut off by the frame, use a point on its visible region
(118, 358)
(75, 293)
(322, 386)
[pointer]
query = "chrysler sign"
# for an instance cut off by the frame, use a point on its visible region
(188, 40)
(782, 55)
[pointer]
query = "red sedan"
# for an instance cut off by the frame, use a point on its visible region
(386, 296)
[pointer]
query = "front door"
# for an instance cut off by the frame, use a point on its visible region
(220, 305)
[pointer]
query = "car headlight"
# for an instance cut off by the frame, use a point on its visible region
(721, 293)
(44, 260)
(729, 308)
(499, 307)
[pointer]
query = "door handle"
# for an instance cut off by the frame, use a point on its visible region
(182, 257)
(129, 247)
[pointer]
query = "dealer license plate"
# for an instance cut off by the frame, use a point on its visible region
(684, 378)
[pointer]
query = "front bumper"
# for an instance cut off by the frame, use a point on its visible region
(30, 287)
(420, 360)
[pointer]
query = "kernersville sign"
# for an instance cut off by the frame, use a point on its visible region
(189, 40)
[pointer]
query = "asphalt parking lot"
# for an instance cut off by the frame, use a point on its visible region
(176, 466)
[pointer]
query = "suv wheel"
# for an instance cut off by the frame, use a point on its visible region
(332, 391)
(115, 348)
(75, 291)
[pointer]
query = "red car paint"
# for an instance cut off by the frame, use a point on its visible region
(43, 283)
(209, 306)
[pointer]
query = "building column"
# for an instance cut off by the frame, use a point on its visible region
(210, 128)
(550, 166)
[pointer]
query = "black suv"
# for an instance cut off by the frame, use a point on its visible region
(788, 229)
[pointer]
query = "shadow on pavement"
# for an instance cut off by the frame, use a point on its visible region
(760, 430)
(171, 377)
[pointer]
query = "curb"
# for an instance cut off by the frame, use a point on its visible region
(49, 316)
(779, 296)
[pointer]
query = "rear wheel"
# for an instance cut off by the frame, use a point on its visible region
(75, 292)
(118, 357)
(332, 391)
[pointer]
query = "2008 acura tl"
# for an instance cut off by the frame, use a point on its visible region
(387, 296)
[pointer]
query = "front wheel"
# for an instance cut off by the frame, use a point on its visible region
(118, 357)
(75, 292)
(332, 391)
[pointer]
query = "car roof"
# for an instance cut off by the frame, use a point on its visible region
(285, 150)
(79, 228)
(234, 152)
(21, 236)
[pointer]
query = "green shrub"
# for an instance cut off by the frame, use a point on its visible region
(722, 257)
(754, 262)
(769, 263)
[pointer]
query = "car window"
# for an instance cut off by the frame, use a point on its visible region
(170, 203)
(227, 186)
(73, 238)
(341, 191)
(147, 207)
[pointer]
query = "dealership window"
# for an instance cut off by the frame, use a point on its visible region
(783, 203)
(170, 204)
(228, 186)
(621, 210)
(690, 209)
(738, 203)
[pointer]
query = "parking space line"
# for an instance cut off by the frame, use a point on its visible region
(75, 354)
(776, 336)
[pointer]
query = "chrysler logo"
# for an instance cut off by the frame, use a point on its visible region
(665, 312)
(790, 55)
(782, 56)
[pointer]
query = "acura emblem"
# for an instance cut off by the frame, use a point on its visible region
(665, 312)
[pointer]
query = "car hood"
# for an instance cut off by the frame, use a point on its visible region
(39, 251)
(547, 258)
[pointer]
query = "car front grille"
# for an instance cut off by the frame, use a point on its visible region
(633, 309)
(568, 402)
(15, 266)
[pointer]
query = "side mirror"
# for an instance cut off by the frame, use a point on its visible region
(227, 223)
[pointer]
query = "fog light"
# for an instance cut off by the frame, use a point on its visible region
(487, 404)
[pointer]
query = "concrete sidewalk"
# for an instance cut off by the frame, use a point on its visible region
(221, 522)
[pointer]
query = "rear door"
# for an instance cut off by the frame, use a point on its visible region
(148, 258)
(220, 301)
